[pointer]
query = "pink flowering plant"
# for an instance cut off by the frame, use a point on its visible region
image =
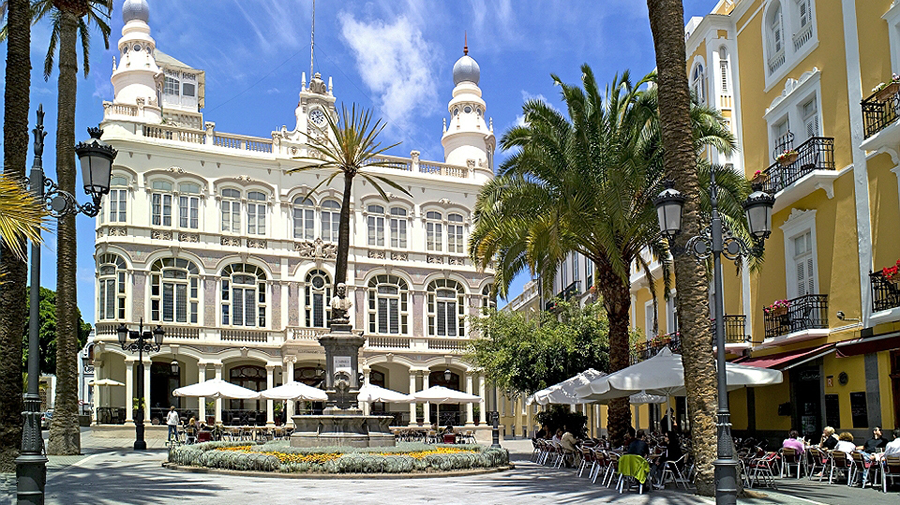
(895, 78)
(778, 306)
(786, 155)
(891, 273)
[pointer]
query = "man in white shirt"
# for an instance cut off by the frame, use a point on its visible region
(172, 422)
(893, 447)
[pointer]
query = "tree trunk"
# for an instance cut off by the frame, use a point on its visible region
(340, 267)
(14, 270)
(617, 301)
(65, 434)
(667, 24)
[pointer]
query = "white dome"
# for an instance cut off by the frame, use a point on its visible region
(466, 69)
(135, 9)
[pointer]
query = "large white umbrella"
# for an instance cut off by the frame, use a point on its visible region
(294, 391)
(216, 389)
(104, 382)
(564, 392)
(663, 374)
(373, 393)
(440, 394)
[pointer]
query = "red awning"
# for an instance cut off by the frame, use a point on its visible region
(867, 345)
(787, 360)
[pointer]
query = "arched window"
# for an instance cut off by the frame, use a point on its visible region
(698, 82)
(252, 377)
(455, 242)
(776, 31)
(311, 376)
(446, 309)
(331, 220)
(243, 295)
(723, 69)
(111, 295)
(388, 305)
(304, 218)
(398, 228)
(189, 205)
(375, 223)
(118, 197)
(174, 291)
(161, 203)
(231, 210)
(376, 378)
(488, 298)
(318, 296)
(256, 213)
(433, 231)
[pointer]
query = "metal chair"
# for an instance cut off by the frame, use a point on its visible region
(890, 469)
(840, 463)
(817, 459)
(762, 470)
(672, 469)
(861, 467)
(790, 458)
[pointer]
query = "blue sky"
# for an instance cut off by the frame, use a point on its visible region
(392, 56)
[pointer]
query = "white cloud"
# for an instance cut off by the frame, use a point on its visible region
(526, 96)
(273, 91)
(395, 62)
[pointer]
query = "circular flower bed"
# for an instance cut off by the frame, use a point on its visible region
(280, 457)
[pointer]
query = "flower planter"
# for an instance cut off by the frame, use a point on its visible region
(887, 92)
(778, 311)
(787, 160)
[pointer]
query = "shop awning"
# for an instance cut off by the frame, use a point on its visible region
(787, 360)
(867, 345)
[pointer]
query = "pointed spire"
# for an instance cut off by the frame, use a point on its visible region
(466, 43)
(312, 40)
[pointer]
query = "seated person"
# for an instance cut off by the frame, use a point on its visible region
(829, 439)
(845, 443)
(638, 446)
(893, 447)
(557, 438)
(794, 442)
(672, 452)
(875, 443)
(568, 441)
(448, 429)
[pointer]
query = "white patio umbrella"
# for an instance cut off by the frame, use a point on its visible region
(663, 374)
(294, 391)
(564, 392)
(104, 382)
(216, 389)
(440, 394)
(373, 393)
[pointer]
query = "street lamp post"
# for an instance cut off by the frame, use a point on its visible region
(96, 159)
(717, 241)
(143, 341)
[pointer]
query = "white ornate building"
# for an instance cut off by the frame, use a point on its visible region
(206, 234)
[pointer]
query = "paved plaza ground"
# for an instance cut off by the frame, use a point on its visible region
(109, 472)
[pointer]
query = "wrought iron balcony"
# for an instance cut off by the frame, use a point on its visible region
(885, 294)
(564, 295)
(648, 348)
(880, 110)
(807, 312)
(816, 153)
(735, 332)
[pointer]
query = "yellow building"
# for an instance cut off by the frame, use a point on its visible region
(797, 76)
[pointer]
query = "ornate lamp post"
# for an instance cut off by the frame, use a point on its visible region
(143, 341)
(96, 159)
(717, 241)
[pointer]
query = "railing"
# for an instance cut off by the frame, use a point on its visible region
(392, 162)
(183, 332)
(735, 332)
(447, 344)
(307, 333)
(807, 312)
(816, 153)
(235, 335)
(428, 167)
(776, 61)
(174, 133)
(885, 293)
(879, 110)
(564, 295)
(244, 143)
(388, 342)
(647, 349)
(120, 109)
(803, 36)
(184, 119)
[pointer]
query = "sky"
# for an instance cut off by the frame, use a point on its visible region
(393, 56)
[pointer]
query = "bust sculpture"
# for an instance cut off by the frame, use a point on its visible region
(340, 305)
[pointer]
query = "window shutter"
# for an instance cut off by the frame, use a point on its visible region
(395, 315)
(451, 319)
(810, 278)
(249, 306)
(238, 301)
(382, 315)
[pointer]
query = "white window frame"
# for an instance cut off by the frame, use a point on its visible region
(117, 200)
(231, 218)
(399, 221)
(189, 205)
(158, 287)
(698, 81)
(375, 225)
(384, 320)
(257, 208)
(310, 292)
(454, 325)
(789, 105)
(790, 26)
(307, 219)
(330, 220)
(671, 313)
(434, 231)
(799, 223)
(112, 287)
(649, 314)
(456, 233)
(228, 296)
(162, 197)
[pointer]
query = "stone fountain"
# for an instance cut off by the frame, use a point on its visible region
(342, 423)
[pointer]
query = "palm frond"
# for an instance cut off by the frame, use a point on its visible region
(21, 215)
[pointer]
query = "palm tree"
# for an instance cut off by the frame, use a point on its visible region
(13, 269)
(667, 25)
(21, 215)
(71, 20)
(584, 185)
(351, 149)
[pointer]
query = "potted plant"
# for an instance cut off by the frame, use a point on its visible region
(886, 90)
(892, 274)
(788, 157)
(759, 177)
(779, 308)
(476, 414)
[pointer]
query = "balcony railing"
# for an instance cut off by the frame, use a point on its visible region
(816, 153)
(808, 312)
(880, 110)
(647, 349)
(564, 295)
(735, 332)
(885, 294)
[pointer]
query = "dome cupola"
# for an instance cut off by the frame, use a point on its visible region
(135, 10)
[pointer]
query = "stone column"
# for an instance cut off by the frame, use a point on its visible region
(426, 410)
(218, 400)
(482, 412)
(98, 370)
(147, 392)
(412, 406)
(288, 378)
(270, 404)
(470, 419)
(129, 391)
(201, 408)
(366, 406)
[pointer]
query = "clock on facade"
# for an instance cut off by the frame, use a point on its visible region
(317, 117)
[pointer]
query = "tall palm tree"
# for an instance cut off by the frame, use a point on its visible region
(21, 215)
(13, 269)
(584, 185)
(350, 149)
(667, 25)
(70, 20)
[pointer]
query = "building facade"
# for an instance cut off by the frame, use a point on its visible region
(206, 234)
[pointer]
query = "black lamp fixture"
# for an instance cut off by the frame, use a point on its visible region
(175, 367)
(96, 159)
(717, 241)
(447, 375)
(142, 341)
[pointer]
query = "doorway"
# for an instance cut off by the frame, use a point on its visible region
(162, 382)
(806, 396)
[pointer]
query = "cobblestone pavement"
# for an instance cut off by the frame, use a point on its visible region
(111, 473)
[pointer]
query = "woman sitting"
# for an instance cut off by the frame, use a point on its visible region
(794, 442)
(829, 439)
(845, 443)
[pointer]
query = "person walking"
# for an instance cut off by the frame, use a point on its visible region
(172, 421)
